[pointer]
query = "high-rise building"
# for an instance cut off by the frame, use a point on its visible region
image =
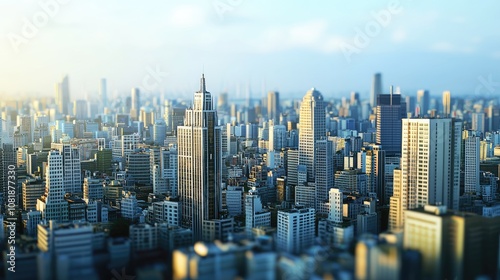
(312, 128)
(447, 104)
(471, 162)
(324, 174)
(423, 102)
(371, 161)
(376, 89)
(295, 229)
(135, 104)
(278, 137)
(430, 166)
(72, 167)
(159, 132)
(390, 111)
(103, 92)
(80, 109)
(478, 122)
(273, 106)
(200, 163)
(62, 95)
(52, 204)
(453, 245)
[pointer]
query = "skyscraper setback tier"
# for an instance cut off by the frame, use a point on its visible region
(199, 163)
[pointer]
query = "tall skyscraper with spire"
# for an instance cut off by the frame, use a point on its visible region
(376, 89)
(390, 111)
(312, 129)
(199, 162)
(62, 95)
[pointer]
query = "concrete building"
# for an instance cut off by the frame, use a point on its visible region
(52, 204)
(255, 214)
(295, 229)
(200, 162)
(430, 166)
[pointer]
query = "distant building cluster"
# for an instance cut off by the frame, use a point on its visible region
(398, 186)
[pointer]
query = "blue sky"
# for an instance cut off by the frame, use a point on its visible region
(290, 46)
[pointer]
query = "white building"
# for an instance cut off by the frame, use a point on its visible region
(312, 128)
(92, 188)
(168, 211)
(72, 167)
(128, 205)
(69, 250)
(255, 215)
(96, 211)
(295, 229)
(52, 204)
(430, 167)
(278, 137)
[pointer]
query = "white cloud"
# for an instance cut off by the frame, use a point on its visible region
(187, 16)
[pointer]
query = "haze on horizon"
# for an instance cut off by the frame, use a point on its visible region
(243, 46)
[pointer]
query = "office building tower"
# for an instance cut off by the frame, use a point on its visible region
(223, 102)
(103, 92)
(143, 237)
(26, 127)
(478, 122)
(430, 167)
(453, 245)
(295, 229)
(80, 110)
(471, 161)
(159, 132)
(33, 189)
(376, 89)
(336, 199)
(367, 220)
(390, 111)
(410, 105)
(423, 101)
(200, 163)
(7, 157)
(312, 128)
(135, 104)
(92, 188)
(324, 174)
(351, 181)
(447, 104)
(52, 204)
(371, 161)
(62, 96)
(71, 166)
(68, 249)
(278, 137)
(273, 106)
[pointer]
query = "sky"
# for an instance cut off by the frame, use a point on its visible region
(248, 47)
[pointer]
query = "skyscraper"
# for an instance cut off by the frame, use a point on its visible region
(376, 89)
(103, 92)
(62, 95)
(312, 128)
(446, 103)
(430, 166)
(72, 167)
(471, 162)
(423, 101)
(135, 104)
(324, 174)
(199, 162)
(273, 106)
(390, 111)
(478, 122)
(52, 203)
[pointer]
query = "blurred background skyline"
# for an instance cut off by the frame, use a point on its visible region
(247, 47)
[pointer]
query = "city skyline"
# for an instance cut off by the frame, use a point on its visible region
(248, 45)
